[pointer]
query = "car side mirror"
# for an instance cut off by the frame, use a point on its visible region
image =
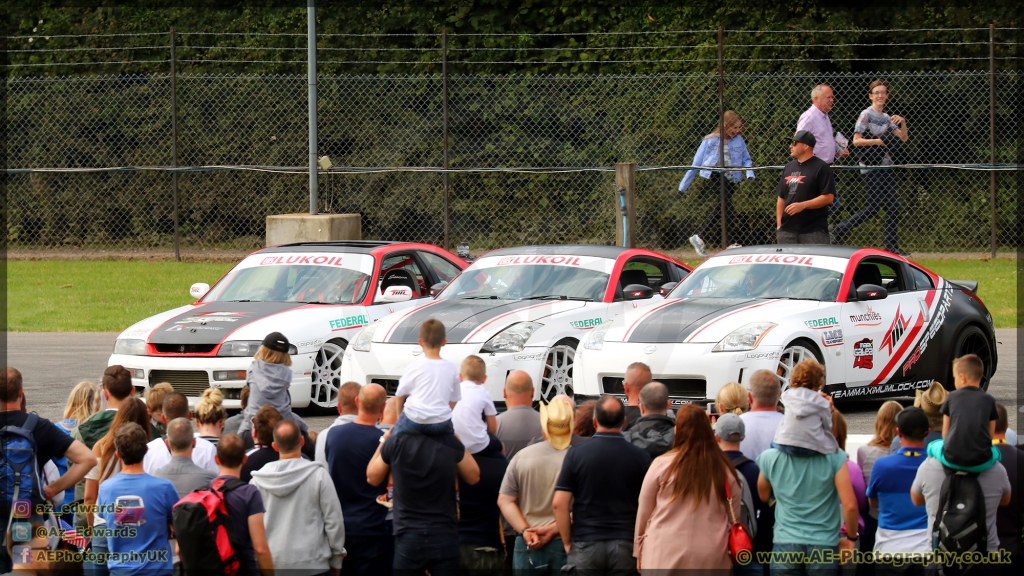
(637, 292)
(867, 292)
(667, 287)
(396, 294)
(436, 288)
(198, 290)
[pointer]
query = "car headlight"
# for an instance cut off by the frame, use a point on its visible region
(511, 339)
(130, 347)
(744, 338)
(595, 340)
(365, 338)
(243, 348)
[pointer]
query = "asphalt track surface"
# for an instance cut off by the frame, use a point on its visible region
(52, 363)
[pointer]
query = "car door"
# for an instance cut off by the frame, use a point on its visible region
(877, 332)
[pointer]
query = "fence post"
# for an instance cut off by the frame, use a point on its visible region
(721, 139)
(625, 204)
(444, 130)
(311, 81)
(174, 148)
(992, 128)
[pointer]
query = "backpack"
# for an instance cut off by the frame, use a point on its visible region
(960, 524)
(206, 533)
(19, 475)
(748, 517)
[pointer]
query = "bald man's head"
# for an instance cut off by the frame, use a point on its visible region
(518, 388)
(347, 398)
(371, 400)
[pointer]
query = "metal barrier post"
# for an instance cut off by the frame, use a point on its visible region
(625, 201)
(992, 128)
(311, 80)
(444, 129)
(174, 148)
(721, 139)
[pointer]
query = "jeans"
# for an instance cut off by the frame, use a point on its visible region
(404, 424)
(419, 551)
(547, 561)
(880, 189)
(481, 560)
(788, 237)
(604, 557)
(99, 546)
(809, 559)
(711, 227)
(795, 450)
(368, 555)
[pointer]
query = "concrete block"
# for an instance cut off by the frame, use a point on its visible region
(290, 228)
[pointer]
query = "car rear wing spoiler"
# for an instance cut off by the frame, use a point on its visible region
(969, 285)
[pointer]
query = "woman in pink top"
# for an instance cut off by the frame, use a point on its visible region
(682, 521)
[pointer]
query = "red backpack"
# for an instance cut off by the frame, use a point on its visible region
(205, 531)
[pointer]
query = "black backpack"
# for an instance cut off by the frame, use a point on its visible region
(960, 524)
(206, 533)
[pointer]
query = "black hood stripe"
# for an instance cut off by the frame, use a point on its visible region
(676, 322)
(461, 318)
(212, 323)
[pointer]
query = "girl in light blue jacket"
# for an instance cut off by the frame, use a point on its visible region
(736, 154)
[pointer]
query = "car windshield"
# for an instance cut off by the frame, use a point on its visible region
(528, 281)
(291, 283)
(760, 281)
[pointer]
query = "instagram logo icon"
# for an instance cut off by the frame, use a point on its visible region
(22, 509)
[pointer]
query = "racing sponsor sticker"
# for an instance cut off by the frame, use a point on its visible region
(772, 259)
(589, 262)
(822, 323)
(348, 322)
(308, 343)
(868, 318)
(832, 337)
(762, 355)
(586, 324)
(864, 354)
(895, 332)
(537, 356)
(893, 388)
(360, 262)
(205, 319)
(937, 320)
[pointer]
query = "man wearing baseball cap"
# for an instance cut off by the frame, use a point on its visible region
(902, 526)
(805, 191)
(529, 485)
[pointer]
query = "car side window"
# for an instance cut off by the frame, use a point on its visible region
(402, 270)
(679, 271)
(443, 269)
(922, 280)
(890, 274)
(647, 272)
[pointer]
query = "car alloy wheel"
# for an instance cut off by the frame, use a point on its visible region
(557, 376)
(791, 356)
(327, 374)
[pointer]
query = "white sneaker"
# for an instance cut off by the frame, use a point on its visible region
(698, 245)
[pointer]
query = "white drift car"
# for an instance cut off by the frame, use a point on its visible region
(319, 295)
(519, 309)
(880, 324)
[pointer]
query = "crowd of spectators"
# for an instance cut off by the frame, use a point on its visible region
(526, 491)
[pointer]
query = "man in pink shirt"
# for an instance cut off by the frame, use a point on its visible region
(816, 121)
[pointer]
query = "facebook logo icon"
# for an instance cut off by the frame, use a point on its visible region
(22, 554)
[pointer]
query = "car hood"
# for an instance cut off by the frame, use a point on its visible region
(700, 319)
(211, 323)
(467, 320)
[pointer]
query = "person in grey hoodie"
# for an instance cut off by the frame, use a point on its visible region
(806, 427)
(269, 377)
(305, 527)
(654, 431)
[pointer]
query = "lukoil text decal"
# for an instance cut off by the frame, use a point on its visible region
(563, 260)
(772, 259)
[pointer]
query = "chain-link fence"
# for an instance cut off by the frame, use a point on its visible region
(531, 155)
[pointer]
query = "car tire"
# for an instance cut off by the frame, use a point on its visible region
(557, 375)
(795, 352)
(972, 340)
(326, 376)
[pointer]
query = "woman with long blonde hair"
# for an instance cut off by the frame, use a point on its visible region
(885, 431)
(684, 517)
(79, 407)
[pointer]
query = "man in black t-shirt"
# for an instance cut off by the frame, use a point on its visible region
(348, 450)
(480, 528)
(50, 443)
(425, 505)
(601, 478)
(805, 192)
